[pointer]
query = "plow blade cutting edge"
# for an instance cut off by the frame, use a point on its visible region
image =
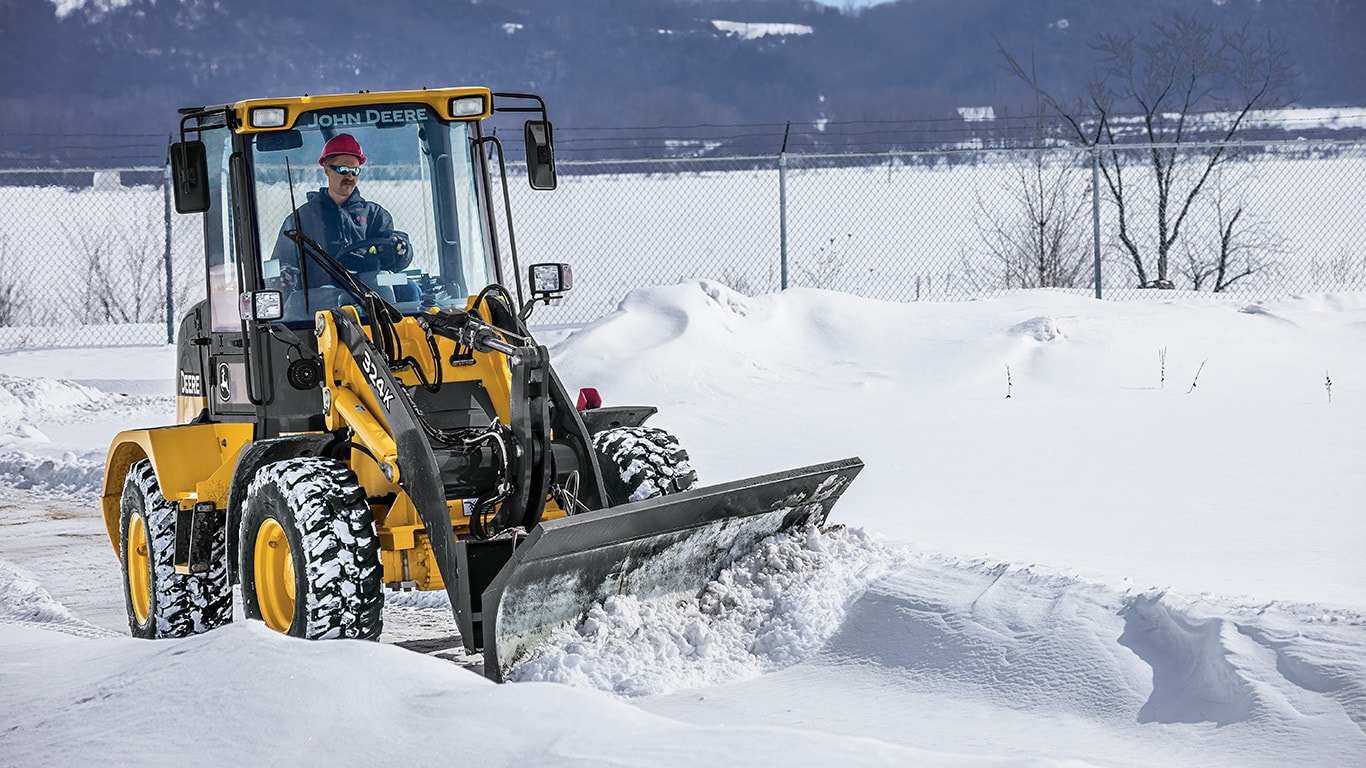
(670, 545)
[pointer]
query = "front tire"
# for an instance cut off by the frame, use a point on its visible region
(642, 463)
(160, 602)
(310, 562)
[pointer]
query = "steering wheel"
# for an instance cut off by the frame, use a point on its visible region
(390, 254)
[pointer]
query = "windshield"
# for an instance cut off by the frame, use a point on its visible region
(396, 202)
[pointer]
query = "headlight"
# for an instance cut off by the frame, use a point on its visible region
(268, 117)
(467, 106)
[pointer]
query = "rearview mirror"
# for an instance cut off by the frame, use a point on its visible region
(190, 176)
(277, 141)
(540, 154)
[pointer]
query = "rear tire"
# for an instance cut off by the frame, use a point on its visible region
(161, 602)
(641, 463)
(309, 553)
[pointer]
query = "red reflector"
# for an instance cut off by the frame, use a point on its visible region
(589, 399)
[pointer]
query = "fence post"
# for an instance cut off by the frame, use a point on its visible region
(1095, 210)
(166, 218)
(782, 208)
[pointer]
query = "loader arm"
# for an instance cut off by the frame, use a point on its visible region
(385, 422)
(368, 399)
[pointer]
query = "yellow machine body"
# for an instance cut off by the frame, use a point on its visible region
(372, 411)
(195, 462)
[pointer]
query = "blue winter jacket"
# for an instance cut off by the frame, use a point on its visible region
(336, 228)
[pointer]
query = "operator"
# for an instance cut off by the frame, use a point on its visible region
(337, 217)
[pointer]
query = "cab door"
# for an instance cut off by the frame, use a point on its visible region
(226, 384)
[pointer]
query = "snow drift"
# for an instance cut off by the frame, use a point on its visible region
(1087, 533)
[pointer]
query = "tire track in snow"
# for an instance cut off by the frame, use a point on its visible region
(25, 602)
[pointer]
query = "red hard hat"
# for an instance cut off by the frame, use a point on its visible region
(341, 144)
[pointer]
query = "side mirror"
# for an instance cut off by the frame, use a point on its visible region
(540, 154)
(549, 281)
(190, 176)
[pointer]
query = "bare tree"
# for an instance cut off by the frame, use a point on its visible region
(123, 272)
(1183, 81)
(1038, 239)
(1236, 244)
(12, 297)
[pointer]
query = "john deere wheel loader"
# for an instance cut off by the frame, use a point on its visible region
(342, 433)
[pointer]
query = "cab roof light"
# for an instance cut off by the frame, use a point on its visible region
(467, 106)
(268, 117)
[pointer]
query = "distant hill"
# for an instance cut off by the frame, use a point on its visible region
(731, 72)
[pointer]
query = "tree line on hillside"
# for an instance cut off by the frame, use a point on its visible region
(604, 65)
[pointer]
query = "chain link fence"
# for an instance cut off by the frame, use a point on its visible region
(1267, 220)
(93, 257)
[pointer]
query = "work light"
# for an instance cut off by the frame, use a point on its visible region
(268, 117)
(467, 106)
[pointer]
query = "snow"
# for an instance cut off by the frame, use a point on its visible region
(64, 8)
(776, 606)
(1306, 118)
(748, 30)
(977, 114)
(1088, 533)
(853, 5)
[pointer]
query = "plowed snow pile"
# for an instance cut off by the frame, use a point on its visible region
(772, 608)
(38, 414)
(1120, 534)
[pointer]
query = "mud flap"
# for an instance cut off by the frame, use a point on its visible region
(672, 545)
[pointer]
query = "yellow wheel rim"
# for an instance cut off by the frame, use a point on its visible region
(273, 567)
(139, 567)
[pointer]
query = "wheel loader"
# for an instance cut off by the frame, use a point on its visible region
(374, 416)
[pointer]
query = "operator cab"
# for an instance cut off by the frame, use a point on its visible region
(251, 168)
(425, 164)
(422, 170)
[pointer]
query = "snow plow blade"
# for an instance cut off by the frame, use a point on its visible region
(669, 545)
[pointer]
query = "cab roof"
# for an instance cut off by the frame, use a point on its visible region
(462, 103)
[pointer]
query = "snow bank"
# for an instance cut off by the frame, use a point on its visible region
(29, 398)
(69, 473)
(40, 417)
(1165, 442)
(1108, 566)
(1057, 637)
(948, 653)
(1265, 663)
(244, 695)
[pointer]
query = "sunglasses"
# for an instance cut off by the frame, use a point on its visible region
(345, 170)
